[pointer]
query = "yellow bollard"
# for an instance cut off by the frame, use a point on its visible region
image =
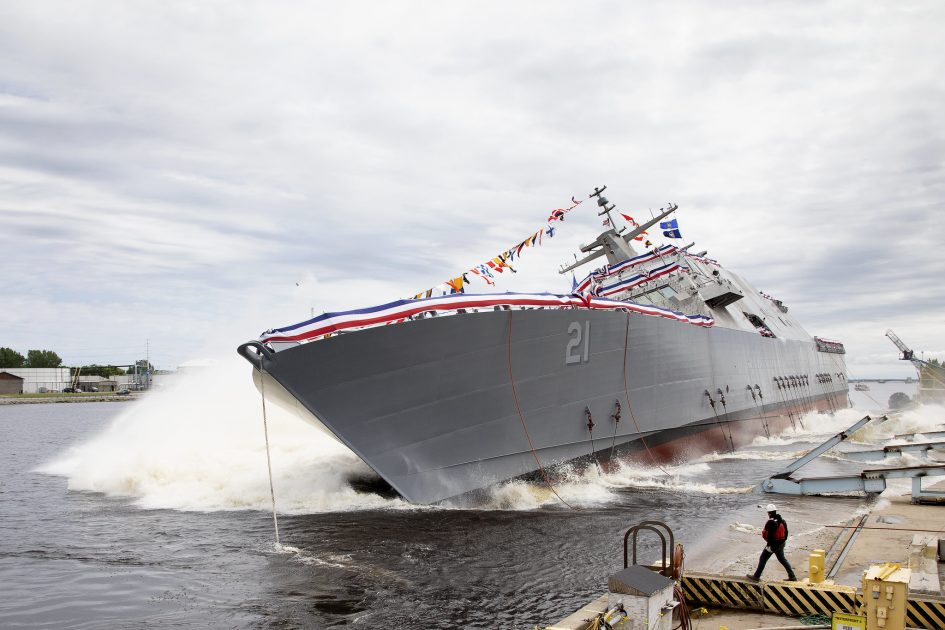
(815, 569)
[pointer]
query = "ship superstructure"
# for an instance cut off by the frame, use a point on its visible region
(661, 354)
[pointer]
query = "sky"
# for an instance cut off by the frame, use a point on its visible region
(176, 177)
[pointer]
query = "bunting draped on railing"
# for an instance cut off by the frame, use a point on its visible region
(601, 274)
(703, 259)
(500, 263)
(400, 310)
(640, 278)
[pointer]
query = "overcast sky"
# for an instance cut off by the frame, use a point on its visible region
(190, 174)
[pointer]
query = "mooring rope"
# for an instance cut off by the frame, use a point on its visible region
(763, 416)
(718, 421)
(626, 391)
(272, 492)
(613, 440)
(590, 429)
(521, 417)
(782, 394)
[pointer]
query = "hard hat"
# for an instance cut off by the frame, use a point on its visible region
(771, 507)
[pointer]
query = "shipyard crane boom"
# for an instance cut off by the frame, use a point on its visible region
(931, 375)
(906, 353)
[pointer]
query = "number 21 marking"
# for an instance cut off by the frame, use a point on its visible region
(571, 351)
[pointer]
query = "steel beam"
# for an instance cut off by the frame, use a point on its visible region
(869, 481)
(826, 446)
(921, 448)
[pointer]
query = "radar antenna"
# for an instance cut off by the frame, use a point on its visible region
(602, 203)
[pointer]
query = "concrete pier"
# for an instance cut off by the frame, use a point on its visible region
(895, 530)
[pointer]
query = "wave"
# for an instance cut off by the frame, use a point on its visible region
(753, 455)
(199, 445)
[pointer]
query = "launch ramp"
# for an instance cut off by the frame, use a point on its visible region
(919, 449)
(868, 481)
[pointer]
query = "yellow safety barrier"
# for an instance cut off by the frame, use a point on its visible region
(926, 611)
(795, 598)
(727, 592)
(786, 598)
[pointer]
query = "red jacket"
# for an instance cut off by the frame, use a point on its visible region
(775, 530)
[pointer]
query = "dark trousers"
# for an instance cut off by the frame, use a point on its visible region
(777, 550)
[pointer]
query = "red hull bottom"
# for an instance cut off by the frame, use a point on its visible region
(727, 434)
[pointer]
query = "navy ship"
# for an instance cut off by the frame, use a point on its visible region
(660, 355)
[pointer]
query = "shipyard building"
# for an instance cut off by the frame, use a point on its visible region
(34, 380)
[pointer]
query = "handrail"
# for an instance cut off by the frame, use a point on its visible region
(655, 527)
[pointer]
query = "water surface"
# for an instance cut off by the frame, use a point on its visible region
(149, 513)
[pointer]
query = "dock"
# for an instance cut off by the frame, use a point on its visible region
(894, 530)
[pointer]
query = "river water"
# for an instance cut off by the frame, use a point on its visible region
(155, 512)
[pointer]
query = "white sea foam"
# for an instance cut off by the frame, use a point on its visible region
(744, 528)
(785, 439)
(594, 486)
(906, 459)
(199, 445)
(752, 455)
(689, 477)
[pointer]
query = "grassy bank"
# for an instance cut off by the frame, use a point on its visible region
(59, 397)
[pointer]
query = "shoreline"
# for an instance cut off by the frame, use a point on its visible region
(68, 399)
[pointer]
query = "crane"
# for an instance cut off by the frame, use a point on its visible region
(931, 375)
(906, 353)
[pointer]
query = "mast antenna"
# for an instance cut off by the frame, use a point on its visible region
(606, 208)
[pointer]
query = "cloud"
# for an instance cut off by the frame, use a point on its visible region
(165, 167)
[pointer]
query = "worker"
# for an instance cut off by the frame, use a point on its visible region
(775, 534)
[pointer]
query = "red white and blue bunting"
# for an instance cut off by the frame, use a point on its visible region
(639, 279)
(395, 312)
(599, 275)
(704, 260)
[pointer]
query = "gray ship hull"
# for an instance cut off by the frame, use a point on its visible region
(445, 405)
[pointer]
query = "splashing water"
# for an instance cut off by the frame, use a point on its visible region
(913, 421)
(744, 528)
(198, 445)
(752, 455)
(594, 487)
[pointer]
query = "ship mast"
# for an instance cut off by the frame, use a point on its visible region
(605, 209)
(612, 243)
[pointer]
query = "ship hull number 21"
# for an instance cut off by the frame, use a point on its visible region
(578, 350)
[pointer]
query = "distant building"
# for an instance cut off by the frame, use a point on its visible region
(97, 384)
(136, 377)
(125, 381)
(10, 383)
(39, 380)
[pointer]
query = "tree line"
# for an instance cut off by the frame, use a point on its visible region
(10, 358)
